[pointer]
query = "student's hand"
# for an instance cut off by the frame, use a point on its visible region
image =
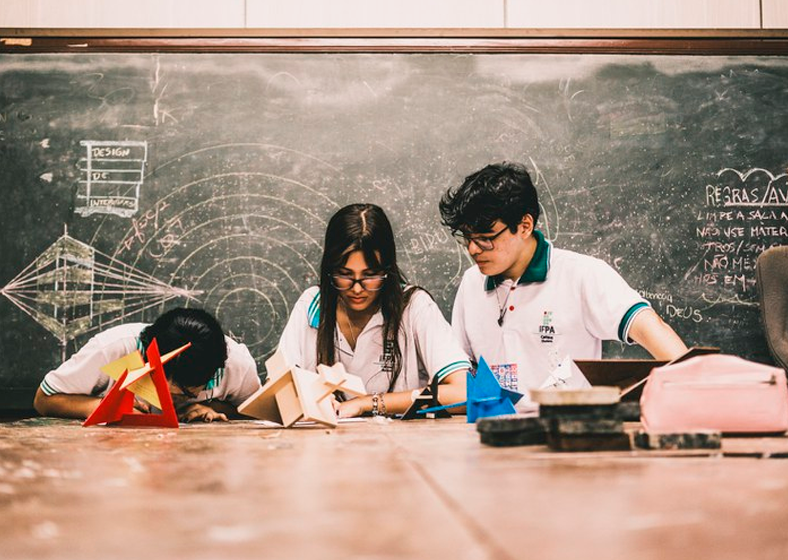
(199, 411)
(350, 409)
(140, 406)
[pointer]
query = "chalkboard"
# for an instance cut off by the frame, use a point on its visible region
(134, 182)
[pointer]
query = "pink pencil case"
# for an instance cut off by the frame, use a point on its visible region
(715, 392)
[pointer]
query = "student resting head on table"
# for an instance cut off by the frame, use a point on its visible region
(527, 306)
(207, 381)
(365, 315)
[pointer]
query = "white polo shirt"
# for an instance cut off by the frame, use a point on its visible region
(565, 304)
(426, 342)
(81, 374)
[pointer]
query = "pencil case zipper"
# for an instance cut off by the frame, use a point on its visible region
(722, 382)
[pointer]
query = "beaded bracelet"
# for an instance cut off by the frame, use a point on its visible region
(375, 400)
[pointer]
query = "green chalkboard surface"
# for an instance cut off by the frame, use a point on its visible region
(136, 181)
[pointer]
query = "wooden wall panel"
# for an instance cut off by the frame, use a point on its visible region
(775, 14)
(634, 14)
(375, 13)
(122, 13)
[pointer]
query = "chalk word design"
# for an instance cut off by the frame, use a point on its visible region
(112, 174)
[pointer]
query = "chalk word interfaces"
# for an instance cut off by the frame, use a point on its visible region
(111, 176)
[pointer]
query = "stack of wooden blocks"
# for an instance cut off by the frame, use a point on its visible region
(584, 420)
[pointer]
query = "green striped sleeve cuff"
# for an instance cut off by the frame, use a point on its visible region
(313, 311)
(451, 368)
(49, 391)
(626, 321)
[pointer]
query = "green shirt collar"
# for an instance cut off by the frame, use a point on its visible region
(536, 270)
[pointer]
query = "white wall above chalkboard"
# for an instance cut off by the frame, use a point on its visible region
(435, 14)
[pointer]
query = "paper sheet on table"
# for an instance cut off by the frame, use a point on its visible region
(566, 376)
(269, 424)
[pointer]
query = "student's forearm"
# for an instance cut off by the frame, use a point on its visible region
(65, 406)
(450, 393)
(389, 403)
(656, 336)
(230, 410)
(397, 403)
(451, 390)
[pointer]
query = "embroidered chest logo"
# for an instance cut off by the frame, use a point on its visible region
(547, 329)
(506, 374)
(386, 360)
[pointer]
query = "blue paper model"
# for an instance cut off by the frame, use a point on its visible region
(486, 397)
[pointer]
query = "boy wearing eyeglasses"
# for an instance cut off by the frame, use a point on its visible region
(527, 306)
(207, 381)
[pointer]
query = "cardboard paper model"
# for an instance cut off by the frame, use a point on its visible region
(293, 394)
(631, 375)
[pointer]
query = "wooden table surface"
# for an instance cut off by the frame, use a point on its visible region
(374, 490)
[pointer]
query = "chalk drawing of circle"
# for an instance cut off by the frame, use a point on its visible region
(257, 326)
(191, 217)
(231, 281)
(250, 306)
(260, 203)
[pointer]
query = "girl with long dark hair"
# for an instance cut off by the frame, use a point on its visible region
(365, 315)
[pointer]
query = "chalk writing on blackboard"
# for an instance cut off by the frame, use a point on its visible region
(112, 174)
(745, 213)
(72, 289)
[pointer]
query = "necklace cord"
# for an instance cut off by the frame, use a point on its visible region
(502, 308)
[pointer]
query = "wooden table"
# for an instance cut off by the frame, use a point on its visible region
(374, 490)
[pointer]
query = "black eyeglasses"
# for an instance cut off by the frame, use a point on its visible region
(369, 283)
(185, 392)
(483, 243)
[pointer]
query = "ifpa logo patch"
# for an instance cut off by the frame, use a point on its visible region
(546, 329)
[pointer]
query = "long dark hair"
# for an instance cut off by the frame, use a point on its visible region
(365, 228)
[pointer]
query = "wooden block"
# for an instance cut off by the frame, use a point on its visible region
(629, 411)
(574, 397)
(590, 442)
(573, 427)
(512, 429)
(513, 439)
(694, 440)
(584, 412)
(509, 423)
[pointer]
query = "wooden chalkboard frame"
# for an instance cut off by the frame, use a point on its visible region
(504, 41)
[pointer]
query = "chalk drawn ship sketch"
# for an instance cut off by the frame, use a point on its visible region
(73, 289)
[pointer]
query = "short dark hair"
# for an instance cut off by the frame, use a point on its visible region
(208, 352)
(500, 191)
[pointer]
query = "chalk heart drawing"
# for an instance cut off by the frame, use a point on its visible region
(773, 194)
